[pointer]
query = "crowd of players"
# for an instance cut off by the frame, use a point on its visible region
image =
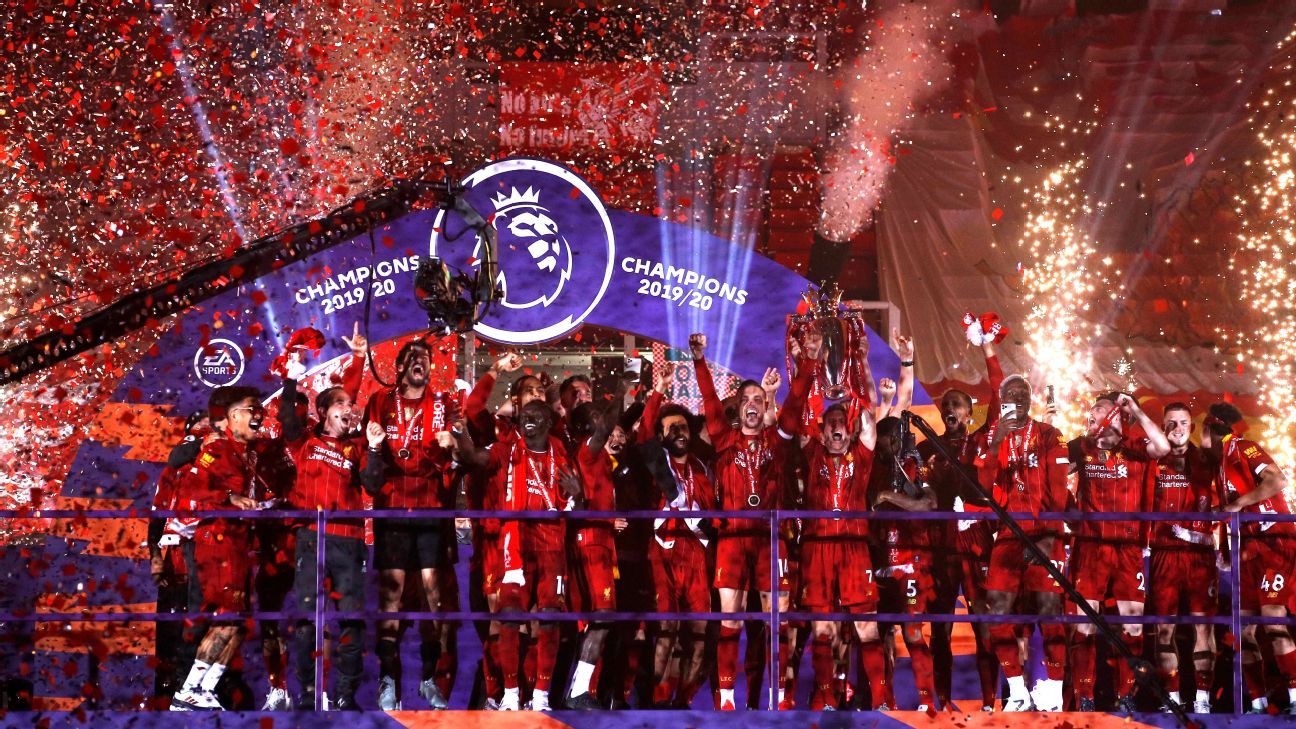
(568, 447)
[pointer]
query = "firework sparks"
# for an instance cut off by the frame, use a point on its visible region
(1059, 292)
(1264, 267)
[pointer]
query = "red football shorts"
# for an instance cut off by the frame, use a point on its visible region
(744, 561)
(1183, 576)
(1100, 569)
(224, 566)
(1268, 567)
(594, 577)
(908, 584)
(965, 568)
(546, 583)
(490, 557)
(680, 576)
(1009, 571)
(837, 574)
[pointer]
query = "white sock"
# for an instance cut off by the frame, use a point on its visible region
(195, 675)
(1017, 687)
(1174, 696)
(1291, 695)
(511, 692)
(213, 675)
(781, 698)
(726, 695)
(1260, 704)
(581, 679)
(539, 697)
(1203, 695)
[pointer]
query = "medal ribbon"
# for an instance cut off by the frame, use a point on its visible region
(401, 425)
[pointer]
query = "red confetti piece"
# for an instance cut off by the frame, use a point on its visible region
(997, 214)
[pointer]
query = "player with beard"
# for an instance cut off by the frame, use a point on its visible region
(1025, 465)
(905, 562)
(486, 567)
(413, 470)
(678, 558)
(223, 479)
(749, 461)
(1252, 482)
(334, 463)
(1184, 553)
(572, 392)
(593, 550)
(533, 474)
(836, 567)
(1107, 556)
(962, 549)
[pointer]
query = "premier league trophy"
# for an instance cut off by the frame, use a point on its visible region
(838, 338)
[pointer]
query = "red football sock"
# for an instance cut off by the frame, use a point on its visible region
(1082, 665)
(490, 666)
(596, 676)
(1135, 645)
(1169, 678)
(633, 657)
(785, 654)
(920, 658)
(1004, 640)
(873, 659)
(446, 668)
(1055, 650)
(988, 673)
(1205, 677)
(546, 656)
(1253, 677)
(1287, 667)
(821, 657)
(727, 656)
(509, 638)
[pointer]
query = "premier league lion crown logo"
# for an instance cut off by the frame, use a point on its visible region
(555, 250)
(535, 260)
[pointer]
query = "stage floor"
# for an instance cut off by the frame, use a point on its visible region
(618, 720)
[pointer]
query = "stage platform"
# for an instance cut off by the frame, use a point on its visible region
(619, 720)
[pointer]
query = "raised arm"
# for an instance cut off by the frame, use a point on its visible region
(904, 347)
(289, 415)
(717, 425)
(789, 418)
(475, 405)
(1158, 445)
(648, 418)
(868, 429)
(373, 464)
(353, 373)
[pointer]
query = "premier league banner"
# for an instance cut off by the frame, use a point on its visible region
(564, 260)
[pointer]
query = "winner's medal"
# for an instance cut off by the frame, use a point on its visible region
(753, 500)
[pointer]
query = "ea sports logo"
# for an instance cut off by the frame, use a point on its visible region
(555, 248)
(218, 364)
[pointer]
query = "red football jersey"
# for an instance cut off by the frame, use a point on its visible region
(837, 483)
(328, 479)
(1111, 481)
(696, 492)
(596, 468)
(1028, 474)
(747, 466)
(415, 464)
(1244, 460)
(1184, 484)
(529, 482)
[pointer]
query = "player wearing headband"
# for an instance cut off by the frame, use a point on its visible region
(962, 548)
(749, 461)
(1183, 570)
(1252, 482)
(1107, 559)
(1024, 464)
(413, 472)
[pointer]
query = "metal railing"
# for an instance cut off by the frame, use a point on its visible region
(322, 612)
